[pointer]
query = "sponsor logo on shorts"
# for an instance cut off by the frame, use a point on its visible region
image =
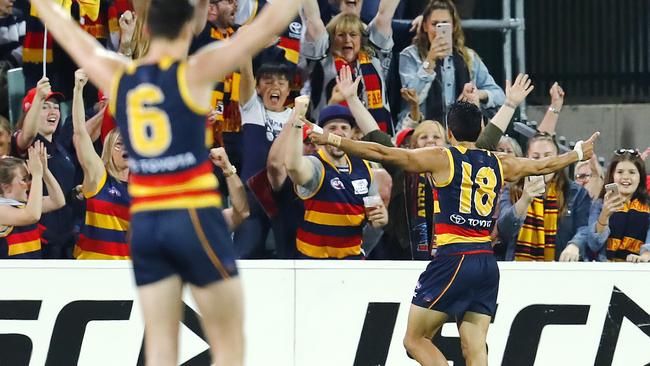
(295, 28)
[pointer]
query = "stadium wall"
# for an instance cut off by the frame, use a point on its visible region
(621, 125)
(313, 313)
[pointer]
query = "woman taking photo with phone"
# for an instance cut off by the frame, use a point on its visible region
(544, 218)
(619, 223)
(441, 72)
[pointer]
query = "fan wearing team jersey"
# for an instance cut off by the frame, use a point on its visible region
(333, 186)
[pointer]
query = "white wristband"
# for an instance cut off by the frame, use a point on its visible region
(578, 149)
(317, 129)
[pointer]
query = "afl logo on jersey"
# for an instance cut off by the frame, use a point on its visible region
(295, 28)
(337, 184)
(457, 219)
(114, 192)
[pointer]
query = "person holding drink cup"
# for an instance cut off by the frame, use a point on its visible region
(338, 191)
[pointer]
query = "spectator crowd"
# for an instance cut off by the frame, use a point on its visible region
(64, 171)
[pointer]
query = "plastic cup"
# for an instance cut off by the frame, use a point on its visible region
(371, 203)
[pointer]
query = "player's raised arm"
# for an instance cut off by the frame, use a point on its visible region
(516, 168)
(430, 159)
(212, 62)
(85, 50)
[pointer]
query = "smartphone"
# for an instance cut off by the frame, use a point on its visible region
(444, 31)
(611, 187)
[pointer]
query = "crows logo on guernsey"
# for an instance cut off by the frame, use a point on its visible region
(336, 183)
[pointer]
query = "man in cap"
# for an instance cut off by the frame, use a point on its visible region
(332, 186)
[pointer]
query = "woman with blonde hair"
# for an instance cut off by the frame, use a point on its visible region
(104, 232)
(343, 43)
(440, 73)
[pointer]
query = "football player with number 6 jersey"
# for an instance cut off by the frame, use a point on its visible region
(160, 103)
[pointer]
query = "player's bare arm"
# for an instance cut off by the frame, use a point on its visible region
(86, 51)
(430, 159)
(516, 168)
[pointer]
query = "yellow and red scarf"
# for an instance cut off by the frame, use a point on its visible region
(225, 97)
(419, 195)
(373, 88)
(536, 240)
(628, 229)
(99, 21)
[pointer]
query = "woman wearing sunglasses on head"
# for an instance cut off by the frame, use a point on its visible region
(619, 223)
(22, 202)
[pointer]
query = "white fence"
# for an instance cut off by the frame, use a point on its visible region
(313, 313)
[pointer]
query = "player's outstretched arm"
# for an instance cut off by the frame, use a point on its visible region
(516, 168)
(85, 50)
(431, 159)
(212, 62)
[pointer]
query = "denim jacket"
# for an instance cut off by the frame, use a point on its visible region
(571, 228)
(597, 242)
(413, 76)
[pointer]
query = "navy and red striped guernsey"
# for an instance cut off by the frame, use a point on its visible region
(164, 133)
(21, 242)
(468, 198)
(335, 214)
(104, 233)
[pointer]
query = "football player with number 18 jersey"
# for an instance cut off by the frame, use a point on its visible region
(462, 280)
